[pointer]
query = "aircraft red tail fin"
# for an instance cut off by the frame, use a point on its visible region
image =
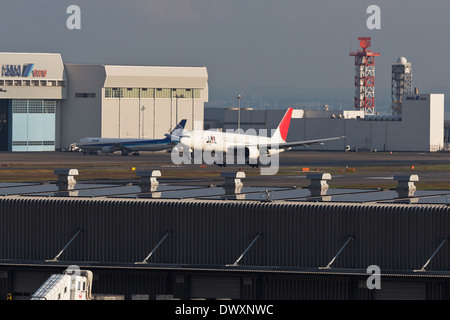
(281, 132)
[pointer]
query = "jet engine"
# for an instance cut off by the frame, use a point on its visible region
(252, 156)
(271, 152)
(107, 150)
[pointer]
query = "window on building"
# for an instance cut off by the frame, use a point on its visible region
(20, 106)
(147, 93)
(131, 93)
(20, 109)
(49, 107)
(181, 93)
(113, 92)
(188, 93)
(20, 143)
(108, 92)
(85, 95)
(163, 93)
(35, 143)
(35, 106)
(158, 93)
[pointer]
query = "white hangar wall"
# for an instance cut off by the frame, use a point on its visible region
(131, 101)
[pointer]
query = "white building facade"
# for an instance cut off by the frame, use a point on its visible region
(46, 105)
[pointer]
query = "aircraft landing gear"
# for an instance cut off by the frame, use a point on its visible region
(253, 165)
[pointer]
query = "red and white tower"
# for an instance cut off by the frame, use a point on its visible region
(365, 76)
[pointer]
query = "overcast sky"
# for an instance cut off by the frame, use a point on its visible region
(243, 43)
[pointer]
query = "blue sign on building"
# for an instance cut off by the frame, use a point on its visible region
(15, 70)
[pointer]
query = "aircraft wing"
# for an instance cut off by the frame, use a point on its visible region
(305, 143)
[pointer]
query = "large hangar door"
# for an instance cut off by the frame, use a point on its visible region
(215, 287)
(4, 128)
(401, 291)
(33, 125)
(26, 283)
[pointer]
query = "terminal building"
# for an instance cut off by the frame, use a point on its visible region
(45, 104)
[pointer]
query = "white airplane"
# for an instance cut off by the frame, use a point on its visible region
(250, 146)
(111, 145)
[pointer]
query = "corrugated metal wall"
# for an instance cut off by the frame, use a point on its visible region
(394, 237)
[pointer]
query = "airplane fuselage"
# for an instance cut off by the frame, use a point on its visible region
(221, 141)
(126, 145)
(107, 145)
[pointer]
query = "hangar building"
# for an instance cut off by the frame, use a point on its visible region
(46, 105)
